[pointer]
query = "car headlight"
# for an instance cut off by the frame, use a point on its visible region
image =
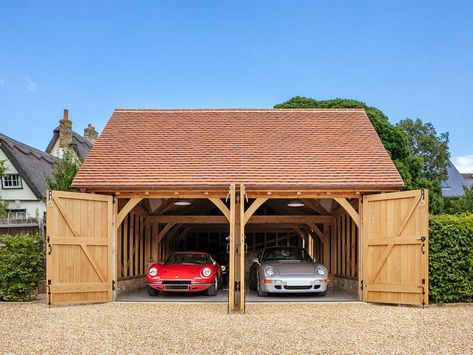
(269, 271)
(206, 272)
(223, 267)
(321, 270)
(153, 271)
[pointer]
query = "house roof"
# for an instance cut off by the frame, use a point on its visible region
(31, 163)
(80, 145)
(455, 183)
(262, 148)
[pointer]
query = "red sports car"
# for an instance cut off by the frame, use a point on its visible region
(185, 271)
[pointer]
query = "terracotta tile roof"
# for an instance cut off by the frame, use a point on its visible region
(306, 148)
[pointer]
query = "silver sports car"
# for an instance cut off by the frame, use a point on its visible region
(287, 270)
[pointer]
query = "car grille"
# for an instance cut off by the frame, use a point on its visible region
(176, 285)
(176, 282)
(297, 287)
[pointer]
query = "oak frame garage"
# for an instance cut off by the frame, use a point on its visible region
(238, 160)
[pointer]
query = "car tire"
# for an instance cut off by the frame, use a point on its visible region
(212, 290)
(151, 291)
(220, 283)
(259, 291)
(252, 283)
(321, 294)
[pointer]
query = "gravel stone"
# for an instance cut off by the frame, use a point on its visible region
(132, 328)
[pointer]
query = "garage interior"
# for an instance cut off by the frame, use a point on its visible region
(156, 227)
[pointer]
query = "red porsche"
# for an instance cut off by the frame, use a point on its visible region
(185, 271)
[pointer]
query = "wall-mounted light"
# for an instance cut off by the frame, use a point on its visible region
(181, 202)
(295, 203)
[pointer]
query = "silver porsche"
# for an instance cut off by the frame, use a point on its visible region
(287, 270)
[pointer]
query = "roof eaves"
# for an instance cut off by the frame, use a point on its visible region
(20, 170)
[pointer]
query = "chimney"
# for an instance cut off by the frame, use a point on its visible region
(65, 131)
(91, 134)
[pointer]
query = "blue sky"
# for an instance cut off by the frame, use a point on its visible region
(409, 58)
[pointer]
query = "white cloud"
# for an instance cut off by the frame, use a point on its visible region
(464, 164)
(2, 82)
(30, 84)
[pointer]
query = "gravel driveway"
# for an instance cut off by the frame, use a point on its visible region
(206, 328)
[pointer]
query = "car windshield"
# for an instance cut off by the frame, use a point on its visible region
(284, 253)
(188, 258)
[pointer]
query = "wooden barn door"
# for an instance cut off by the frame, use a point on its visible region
(79, 265)
(395, 248)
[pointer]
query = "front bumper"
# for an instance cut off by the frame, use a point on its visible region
(179, 285)
(294, 285)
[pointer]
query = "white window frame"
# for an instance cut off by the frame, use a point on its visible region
(17, 214)
(13, 177)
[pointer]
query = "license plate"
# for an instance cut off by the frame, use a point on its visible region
(298, 282)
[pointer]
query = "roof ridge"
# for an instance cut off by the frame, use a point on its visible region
(240, 110)
(26, 149)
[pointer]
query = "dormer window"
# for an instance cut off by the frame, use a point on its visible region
(11, 181)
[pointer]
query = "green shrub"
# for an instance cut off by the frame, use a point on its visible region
(21, 267)
(451, 258)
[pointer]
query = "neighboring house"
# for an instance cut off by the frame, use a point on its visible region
(64, 137)
(468, 177)
(24, 184)
(454, 186)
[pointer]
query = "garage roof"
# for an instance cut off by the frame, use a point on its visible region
(263, 148)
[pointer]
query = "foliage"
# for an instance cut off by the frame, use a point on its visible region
(460, 204)
(21, 267)
(3, 167)
(65, 170)
(451, 258)
(420, 156)
(3, 204)
(430, 147)
(3, 209)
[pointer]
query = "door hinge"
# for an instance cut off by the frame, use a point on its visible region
(113, 285)
(49, 292)
(423, 296)
(50, 248)
(361, 285)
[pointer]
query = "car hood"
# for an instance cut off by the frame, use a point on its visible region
(286, 267)
(180, 271)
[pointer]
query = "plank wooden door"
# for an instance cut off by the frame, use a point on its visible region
(79, 266)
(395, 248)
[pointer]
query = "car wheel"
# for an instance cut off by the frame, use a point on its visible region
(151, 291)
(259, 291)
(321, 294)
(220, 283)
(212, 290)
(252, 283)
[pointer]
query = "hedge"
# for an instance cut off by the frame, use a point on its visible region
(21, 266)
(451, 258)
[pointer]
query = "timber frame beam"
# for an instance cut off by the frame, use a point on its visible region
(350, 210)
(274, 219)
(132, 202)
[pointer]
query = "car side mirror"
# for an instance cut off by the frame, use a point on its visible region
(256, 261)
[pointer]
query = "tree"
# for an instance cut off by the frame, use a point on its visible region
(431, 148)
(407, 144)
(65, 170)
(432, 152)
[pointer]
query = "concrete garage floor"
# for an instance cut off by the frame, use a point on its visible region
(333, 295)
